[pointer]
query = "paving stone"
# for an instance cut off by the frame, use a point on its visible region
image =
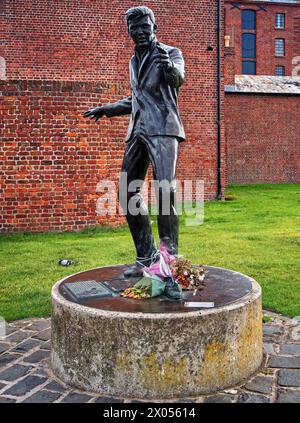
(132, 402)
(261, 384)
(45, 335)
(289, 377)
(14, 372)
(295, 333)
(24, 386)
(7, 358)
(285, 362)
(288, 396)
(41, 372)
(46, 345)
(39, 325)
(268, 348)
(292, 349)
(252, 398)
(55, 386)
(36, 356)
(26, 346)
(271, 330)
(215, 399)
(107, 400)
(19, 324)
(4, 347)
(18, 336)
(185, 401)
(4, 400)
(43, 396)
(76, 398)
(8, 330)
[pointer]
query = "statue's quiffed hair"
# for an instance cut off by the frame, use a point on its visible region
(138, 12)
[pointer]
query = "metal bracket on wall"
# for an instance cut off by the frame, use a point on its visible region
(262, 7)
(259, 7)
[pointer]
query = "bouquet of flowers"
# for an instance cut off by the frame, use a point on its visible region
(189, 276)
(148, 287)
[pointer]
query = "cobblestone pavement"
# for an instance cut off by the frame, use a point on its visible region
(25, 374)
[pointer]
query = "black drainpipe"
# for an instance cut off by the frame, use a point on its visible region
(219, 96)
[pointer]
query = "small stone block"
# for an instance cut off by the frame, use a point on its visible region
(4, 347)
(39, 325)
(4, 400)
(288, 396)
(290, 349)
(36, 356)
(7, 358)
(8, 330)
(261, 384)
(18, 336)
(24, 386)
(26, 346)
(45, 335)
(269, 348)
(271, 330)
(43, 397)
(46, 346)
(55, 386)
(185, 401)
(252, 398)
(285, 362)
(14, 372)
(289, 377)
(216, 399)
(76, 398)
(107, 400)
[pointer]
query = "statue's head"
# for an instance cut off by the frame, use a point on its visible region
(141, 25)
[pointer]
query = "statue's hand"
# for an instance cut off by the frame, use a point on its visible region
(162, 59)
(96, 113)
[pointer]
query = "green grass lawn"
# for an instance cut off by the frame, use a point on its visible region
(257, 233)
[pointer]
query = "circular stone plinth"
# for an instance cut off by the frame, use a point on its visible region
(157, 348)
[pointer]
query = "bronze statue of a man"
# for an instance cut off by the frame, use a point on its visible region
(154, 133)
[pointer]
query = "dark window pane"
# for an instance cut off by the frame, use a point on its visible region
(248, 19)
(248, 67)
(280, 70)
(280, 20)
(248, 45)
(279, 47)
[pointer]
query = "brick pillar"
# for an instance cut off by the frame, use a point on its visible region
(229, 65)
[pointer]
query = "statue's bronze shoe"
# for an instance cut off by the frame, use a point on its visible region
(134, 271)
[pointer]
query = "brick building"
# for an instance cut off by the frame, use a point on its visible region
(262, 120)
(262, 91)
(60, 58)
(265, 36)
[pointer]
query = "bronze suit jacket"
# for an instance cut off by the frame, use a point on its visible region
(154, 95)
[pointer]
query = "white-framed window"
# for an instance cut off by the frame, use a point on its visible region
(279, 47)
(280, 70)
(280, 21)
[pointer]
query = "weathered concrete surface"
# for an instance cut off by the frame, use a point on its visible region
(162, 355)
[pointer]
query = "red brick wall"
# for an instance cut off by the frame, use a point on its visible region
(263, 146)
(64, 57)
(229, 66)
(266, 34)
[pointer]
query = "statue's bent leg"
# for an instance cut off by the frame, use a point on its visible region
(163, 153)
(134, 169)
